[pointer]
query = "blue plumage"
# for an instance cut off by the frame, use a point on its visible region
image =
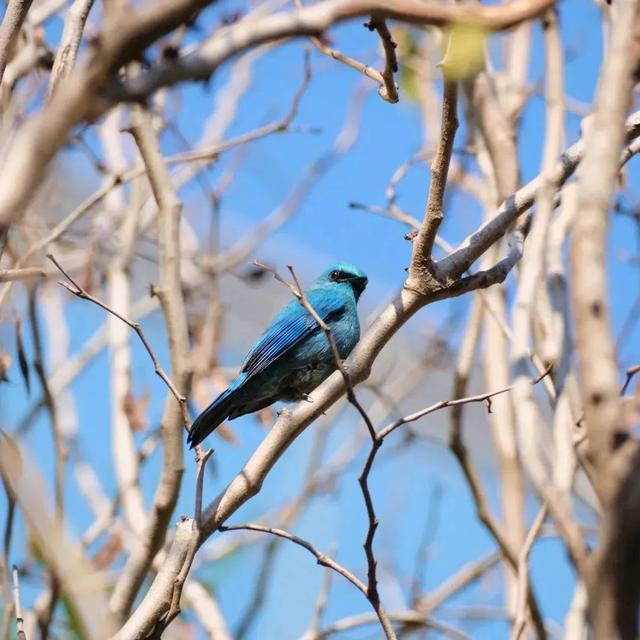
(293, 356)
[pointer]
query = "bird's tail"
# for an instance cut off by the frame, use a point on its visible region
(218, 411)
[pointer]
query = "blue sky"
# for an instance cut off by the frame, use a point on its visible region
(326, 229)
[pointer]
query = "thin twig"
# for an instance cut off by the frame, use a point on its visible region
(4, 560)
(321, 604)
(368, 71)
(486, 517)
(16, 605)
(73, 287)
(322, 559)
(202, 461)
(455, 583)
(631, 371)
(389, 89)
(481, 397)
(278, 126)
(45, 615)
(408, 619)
(523, 574)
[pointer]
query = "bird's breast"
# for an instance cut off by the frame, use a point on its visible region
(302, 381)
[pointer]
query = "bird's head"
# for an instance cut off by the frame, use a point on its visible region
(346, 275)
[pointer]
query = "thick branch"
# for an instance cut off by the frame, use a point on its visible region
(615, 584)
(10, 275)
(14, 16)
(421, 267)
(597, 177)
(313, 20)
(169, 292)
(124, 38)
(480, 240)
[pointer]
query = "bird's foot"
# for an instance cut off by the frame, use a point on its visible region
(307, 398)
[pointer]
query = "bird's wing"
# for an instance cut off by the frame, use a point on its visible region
(290, 326)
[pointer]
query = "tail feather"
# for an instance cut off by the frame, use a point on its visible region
(214, 415)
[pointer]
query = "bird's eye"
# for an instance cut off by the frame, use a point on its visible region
(334, 275)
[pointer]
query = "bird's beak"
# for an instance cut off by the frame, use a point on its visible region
(359, 282)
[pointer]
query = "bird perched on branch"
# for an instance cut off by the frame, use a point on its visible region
(293, 356)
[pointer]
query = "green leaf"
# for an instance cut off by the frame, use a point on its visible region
(463, 50)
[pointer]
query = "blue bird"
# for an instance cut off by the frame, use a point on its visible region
(293, 356)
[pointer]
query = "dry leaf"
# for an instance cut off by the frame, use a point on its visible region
(84, 588)
(87, 277)
(22, 356)
(227, 433)
(265, 416)
(5, 363)
(106, 555)
(631, 411)
(10, 459)
(136, 410)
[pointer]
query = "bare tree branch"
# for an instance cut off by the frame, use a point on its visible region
(125, 36)
(133, 223)
(10, 275)
(14, 16)
(372, 583)
(368, 71)
(322, 559)
(176, 418)
(20, 634)
(614, 586)
(421, 267)
(74, 24)
(458, 581)
(388, 90)
(631, 371)
(312, 21)
(604, 138)
(523, 574)
(410, 619)
(73, 287)
(128, 33)
(519, 202)
(60, 454)
(7, 613)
